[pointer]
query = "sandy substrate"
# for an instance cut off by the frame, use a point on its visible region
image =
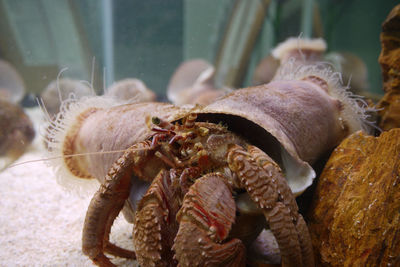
(40, 222)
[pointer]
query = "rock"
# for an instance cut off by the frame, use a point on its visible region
(389, 115)
(354, 219)
(390, 54)
(390, 64)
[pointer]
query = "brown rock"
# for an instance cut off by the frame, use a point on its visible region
(390, 64)
(390, 54)
(390, 113)
(354, 219)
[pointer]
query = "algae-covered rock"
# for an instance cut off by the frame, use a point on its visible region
(354, 219)
(390, 64)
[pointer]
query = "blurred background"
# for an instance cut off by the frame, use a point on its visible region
(105, 41)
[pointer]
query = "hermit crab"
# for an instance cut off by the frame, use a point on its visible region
(200, 166)
(209, 168)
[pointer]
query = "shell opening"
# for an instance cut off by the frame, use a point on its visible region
(130, 90)
(283, 49)
(299, 175)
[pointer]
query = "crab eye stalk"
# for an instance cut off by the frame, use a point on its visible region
(156, 120)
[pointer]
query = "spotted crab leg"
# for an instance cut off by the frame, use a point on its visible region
(155, 224)
(264, 161)
(264, 182)
(205, 219)
(106, 205)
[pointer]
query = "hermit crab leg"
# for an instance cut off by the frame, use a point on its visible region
(265, 186)
(264, 161)
(155, 224)
(106, 205)
(205, 219)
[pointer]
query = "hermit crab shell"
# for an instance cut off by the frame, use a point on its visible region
(293, 121)
(113, 129)
(96, 133)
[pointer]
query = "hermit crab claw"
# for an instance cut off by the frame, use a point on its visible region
(206, 217)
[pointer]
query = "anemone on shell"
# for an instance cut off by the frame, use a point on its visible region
(131, 90)
(101, 125)
(60, 89)
(193, 83)
(303, 50)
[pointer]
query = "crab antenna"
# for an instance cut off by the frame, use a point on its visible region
(73, 155)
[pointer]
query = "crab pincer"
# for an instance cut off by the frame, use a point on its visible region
(155, 226)
(205, 219)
